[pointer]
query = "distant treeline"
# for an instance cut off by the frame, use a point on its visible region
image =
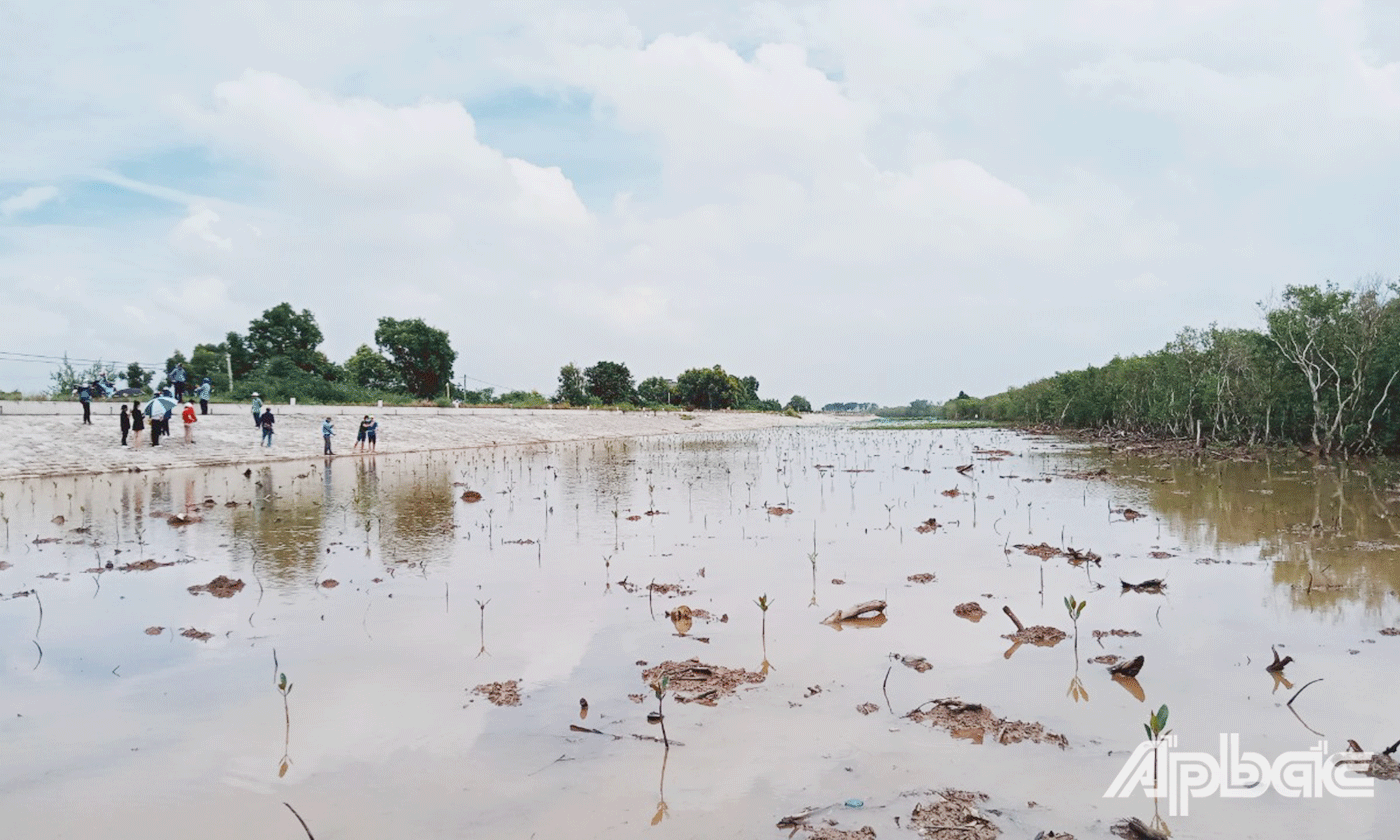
(1323, 373)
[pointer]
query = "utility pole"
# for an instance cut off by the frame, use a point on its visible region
(228, 359)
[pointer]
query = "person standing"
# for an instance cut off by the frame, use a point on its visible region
(85, 397)
(257, 410)
(266, 422)
(154, 422)
(188, 416)
(126, 424)
(204, 389)
(177, 379)
(361, 432)
(137, 425)
(372, 432)
(328, 429)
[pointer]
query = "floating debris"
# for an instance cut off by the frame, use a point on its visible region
(220, 587)
(1044, 551)
(867, 708)
(975, 722)
(922, 577)
(505, 693)
(918, 663)
(1150, 587)
(471, 497)
(927, 525)
(154, 631)
(953, 815)
(191, 633)
(866, 609)
(1129, 668)
(779, 511)
(692, 681)
(971, 610)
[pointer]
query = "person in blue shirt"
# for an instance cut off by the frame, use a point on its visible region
(177, 379)
(328, 429)
(371, 433)
(204, 389)
(85, 397)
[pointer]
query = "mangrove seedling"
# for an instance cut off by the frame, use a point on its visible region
(285, 688)
(764, 602)
(659, 689)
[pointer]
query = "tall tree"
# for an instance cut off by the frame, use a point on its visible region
(282, 331)
(421, 355)
(710, 388)
(610, 382)
(571, 388)
(370, 369)
(656, 390)
(136, 376)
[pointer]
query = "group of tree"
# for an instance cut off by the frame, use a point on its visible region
(611, 383)
(1323, 373)
(280, 357)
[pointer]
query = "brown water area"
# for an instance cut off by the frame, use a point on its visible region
(403, 660)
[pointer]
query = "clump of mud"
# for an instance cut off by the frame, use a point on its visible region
(779, 510)
(927, 526)
(923, 577)
(1044, 551)
(199, 635)
(143, 566)
(972, 611)
(220, 587)
(154, 631)
(918, 663)
(953, 815)
(867, 708)
(500, 693)
(329, 583)
(1100, 634)
(692, 681)
(1391, 631)
(826, 832)
(1037, 635)
(178, 519)
(975, 722)
(471, 497)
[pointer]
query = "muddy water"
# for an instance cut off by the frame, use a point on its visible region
(108, 731)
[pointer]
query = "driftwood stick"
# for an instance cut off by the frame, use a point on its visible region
(858, 611)
(300, 820)
(1014, 620)
(1300, 691)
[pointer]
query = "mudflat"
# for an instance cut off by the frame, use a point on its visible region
(50, 439)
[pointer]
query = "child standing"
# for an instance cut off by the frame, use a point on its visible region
(188, 416)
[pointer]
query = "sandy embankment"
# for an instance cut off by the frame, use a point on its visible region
(47, 439)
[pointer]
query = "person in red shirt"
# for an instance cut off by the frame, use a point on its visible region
(189, 417)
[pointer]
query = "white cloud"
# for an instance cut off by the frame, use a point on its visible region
(31, 199)
(868, 186)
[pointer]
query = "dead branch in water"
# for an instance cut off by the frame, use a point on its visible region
(1014, 620)
(861, 610)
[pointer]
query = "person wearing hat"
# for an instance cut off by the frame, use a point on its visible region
(327, 430)
(188, 416)
(372, 432)
(204, 388)
(257, 410)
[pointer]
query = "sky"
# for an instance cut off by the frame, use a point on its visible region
(849, 200)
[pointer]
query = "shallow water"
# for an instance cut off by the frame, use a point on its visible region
(110, 732)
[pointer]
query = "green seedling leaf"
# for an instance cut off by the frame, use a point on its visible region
(1148, 730)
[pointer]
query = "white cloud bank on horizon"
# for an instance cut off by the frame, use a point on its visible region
(850, 202)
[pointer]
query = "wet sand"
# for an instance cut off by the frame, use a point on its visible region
(50, 439)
